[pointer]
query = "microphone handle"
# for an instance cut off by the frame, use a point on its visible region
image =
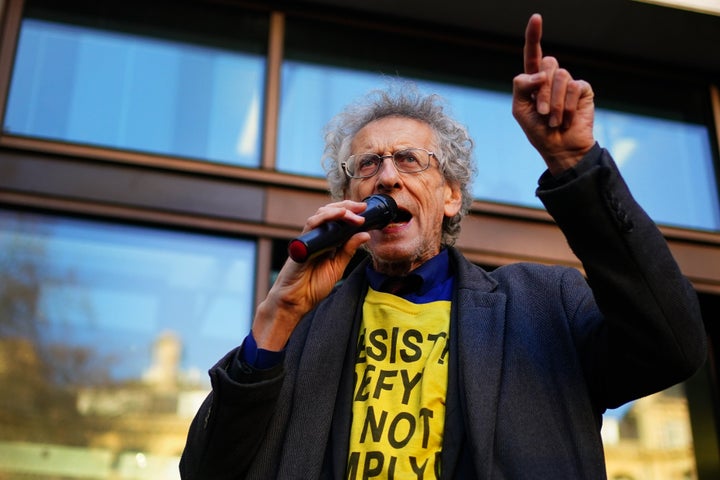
(320, 240)
(381, 210)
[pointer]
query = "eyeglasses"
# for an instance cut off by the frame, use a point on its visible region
(410, 160)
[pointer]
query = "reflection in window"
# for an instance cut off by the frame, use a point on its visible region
(668, 164)
(126, 91)
(650, 438)
(106, 334)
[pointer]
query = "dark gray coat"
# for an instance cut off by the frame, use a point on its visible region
(536, 357)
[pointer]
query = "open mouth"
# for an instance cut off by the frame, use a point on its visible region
(403, 216)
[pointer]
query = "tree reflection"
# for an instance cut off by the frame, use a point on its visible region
(37, 376)
(63, 411)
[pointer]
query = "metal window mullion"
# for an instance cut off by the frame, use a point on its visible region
(276, 38)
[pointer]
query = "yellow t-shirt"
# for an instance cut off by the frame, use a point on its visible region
(400, 388)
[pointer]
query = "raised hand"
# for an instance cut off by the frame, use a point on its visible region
(555, 111)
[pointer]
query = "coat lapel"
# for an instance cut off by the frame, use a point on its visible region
(318, 378)
(480, 311)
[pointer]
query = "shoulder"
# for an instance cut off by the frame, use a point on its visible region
(514, 274)
(542, 282)
(534, 272)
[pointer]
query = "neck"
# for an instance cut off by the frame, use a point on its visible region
(392, 269)
(398, 268)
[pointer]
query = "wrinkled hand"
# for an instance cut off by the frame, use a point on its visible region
(554, 110)
(299, 287)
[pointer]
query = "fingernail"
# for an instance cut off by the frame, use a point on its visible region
(543, 108)
(553, 122)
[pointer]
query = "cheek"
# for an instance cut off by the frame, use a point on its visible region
(432, 216)
(357, 190)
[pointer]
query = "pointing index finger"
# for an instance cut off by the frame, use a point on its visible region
(532, 52)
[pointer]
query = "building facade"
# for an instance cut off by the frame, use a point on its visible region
(157, 157)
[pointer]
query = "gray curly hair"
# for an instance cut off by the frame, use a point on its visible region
(403, 99)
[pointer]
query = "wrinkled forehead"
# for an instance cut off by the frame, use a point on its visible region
(389, 134)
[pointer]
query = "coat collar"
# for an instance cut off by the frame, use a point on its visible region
(479, 312)
(323, 347)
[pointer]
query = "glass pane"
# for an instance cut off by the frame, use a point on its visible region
(106, 335)
(650, 439)
(80, 84)
(667, 163)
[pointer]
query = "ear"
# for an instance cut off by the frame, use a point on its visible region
(453, 199)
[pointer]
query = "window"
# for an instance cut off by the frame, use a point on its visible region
(196, 91)
(666, 159)
(106, 334)
(650, 438)
(159, 91)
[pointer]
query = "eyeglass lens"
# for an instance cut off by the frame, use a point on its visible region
(411, 160)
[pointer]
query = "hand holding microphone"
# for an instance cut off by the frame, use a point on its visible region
(381, 210)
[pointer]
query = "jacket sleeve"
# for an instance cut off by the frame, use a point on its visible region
(231, 423)
(652, 335)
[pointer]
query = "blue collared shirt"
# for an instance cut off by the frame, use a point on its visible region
(436, 275)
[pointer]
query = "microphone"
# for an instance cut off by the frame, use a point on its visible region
(381, 210)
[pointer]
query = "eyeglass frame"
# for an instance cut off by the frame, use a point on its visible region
(382, 158)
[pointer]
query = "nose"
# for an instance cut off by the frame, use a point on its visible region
(388, 177)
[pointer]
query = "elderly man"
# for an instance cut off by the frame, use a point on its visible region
(462, 373)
